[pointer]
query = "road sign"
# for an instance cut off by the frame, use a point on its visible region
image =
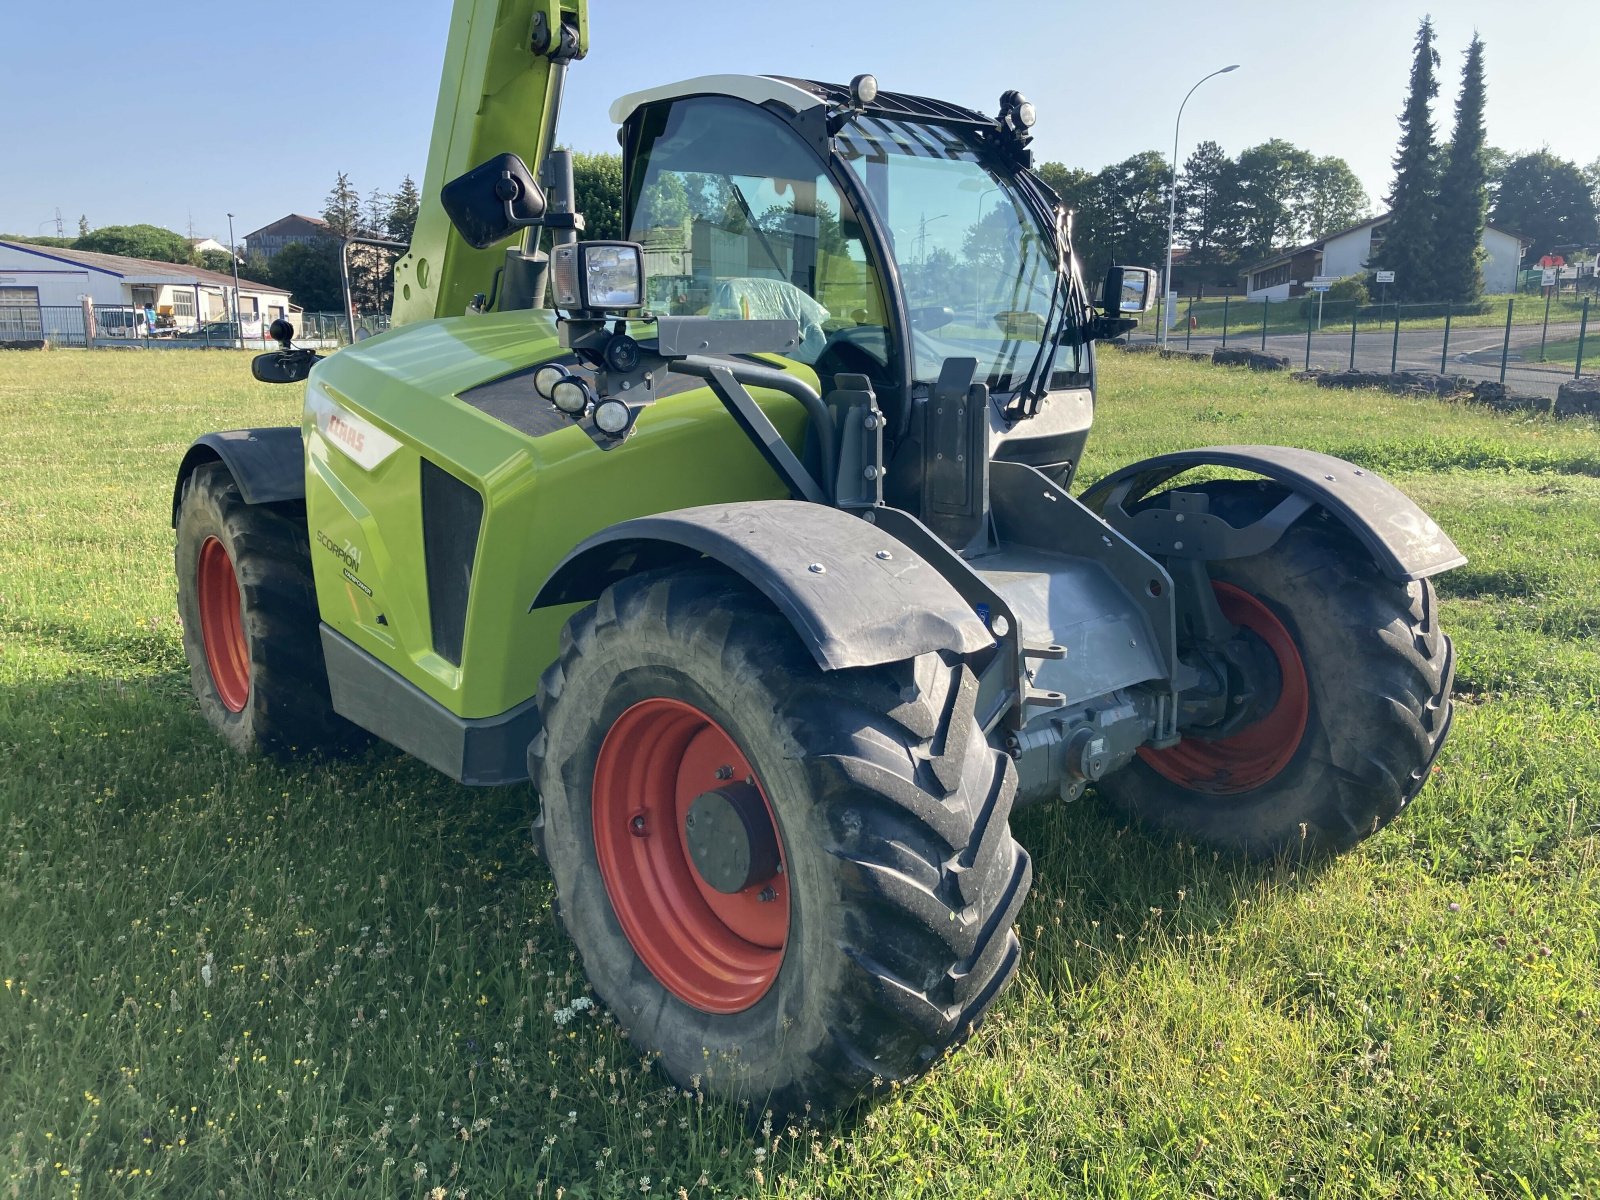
(1321, 285)
(1385, 276)
(1550, 274)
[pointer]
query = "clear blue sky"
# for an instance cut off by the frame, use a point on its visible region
(174, 110)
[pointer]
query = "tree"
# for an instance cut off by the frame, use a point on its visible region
(375, 214)
(597, 184)
(342, 209)
(137, 241)
(1464, 191)
(309, 271)
(1206, 190)
(1409, 242)
(83, 224)
(1546, 199)
(1270, 179)
(1331, 198)
(1129, 213)
(401, 221)
(214, 260)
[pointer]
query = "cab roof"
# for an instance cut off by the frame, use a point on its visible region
(796, 94)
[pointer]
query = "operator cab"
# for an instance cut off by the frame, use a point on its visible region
(899, 232)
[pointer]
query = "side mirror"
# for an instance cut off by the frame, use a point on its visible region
(1128, 290)
(493, 201)
(283, 366)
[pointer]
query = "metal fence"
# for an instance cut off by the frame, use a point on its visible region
(27, 325)
(1531, 344)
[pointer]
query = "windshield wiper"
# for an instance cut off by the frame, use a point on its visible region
(1036, 385)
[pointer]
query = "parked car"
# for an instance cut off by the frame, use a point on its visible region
(213, 333)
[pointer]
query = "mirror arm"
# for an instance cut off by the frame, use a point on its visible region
(1103, 327)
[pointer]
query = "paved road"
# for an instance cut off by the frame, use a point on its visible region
(1474, 352)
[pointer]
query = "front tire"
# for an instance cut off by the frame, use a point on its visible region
(1363, 703)
(249, 611)
(899, 878)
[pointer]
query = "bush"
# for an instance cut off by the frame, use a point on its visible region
(1339, 302)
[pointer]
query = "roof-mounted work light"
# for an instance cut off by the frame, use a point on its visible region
(1017, 115)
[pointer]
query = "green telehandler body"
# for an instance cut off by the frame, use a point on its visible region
(750, 542)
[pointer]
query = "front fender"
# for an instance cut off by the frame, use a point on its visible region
(1403, 540)
(855, 596)
(269, 465)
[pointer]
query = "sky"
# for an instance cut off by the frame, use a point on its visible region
(179, 112)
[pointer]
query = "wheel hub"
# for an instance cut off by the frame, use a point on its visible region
(1251, 749)
(730, 838)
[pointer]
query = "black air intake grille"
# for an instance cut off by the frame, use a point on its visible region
(452, 514)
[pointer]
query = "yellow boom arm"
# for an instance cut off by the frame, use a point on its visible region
(500, 92)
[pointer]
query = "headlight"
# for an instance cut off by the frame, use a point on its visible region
(589, 276)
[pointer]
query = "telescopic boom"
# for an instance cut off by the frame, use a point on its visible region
(504, 67)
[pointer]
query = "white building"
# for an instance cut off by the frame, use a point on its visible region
(1350, 250)
(41, 282)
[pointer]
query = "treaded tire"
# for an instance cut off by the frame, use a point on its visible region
(1378, 669)
(288, 709)
(893, 813)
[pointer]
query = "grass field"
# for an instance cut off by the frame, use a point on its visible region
(232, 978)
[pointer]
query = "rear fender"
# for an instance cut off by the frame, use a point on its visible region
(855, 596)
(1403, 540)
(269, 465)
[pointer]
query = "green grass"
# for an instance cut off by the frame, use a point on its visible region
(1288, 316)
(233, 978)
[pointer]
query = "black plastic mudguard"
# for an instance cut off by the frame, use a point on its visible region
(1402, 539)
(269, 465)
(855, 596)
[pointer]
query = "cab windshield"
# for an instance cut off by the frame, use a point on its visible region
(978, 269)
(739, 217)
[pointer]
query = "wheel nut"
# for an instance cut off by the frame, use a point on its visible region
(637, 826)
(768, 895)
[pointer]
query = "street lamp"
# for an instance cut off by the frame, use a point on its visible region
(1172, 207)
(233, 253)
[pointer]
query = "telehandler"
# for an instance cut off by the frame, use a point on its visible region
(750, 542)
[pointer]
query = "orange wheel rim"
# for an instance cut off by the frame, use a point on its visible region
(716, 951)
(222, 625)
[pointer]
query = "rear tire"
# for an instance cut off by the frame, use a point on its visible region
(250, 628)
(1377, 672)
(902, 879)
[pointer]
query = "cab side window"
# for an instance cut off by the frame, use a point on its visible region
(738, 219)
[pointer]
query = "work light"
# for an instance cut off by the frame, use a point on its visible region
(597, 276)
(546, 378)
(572, 396)
(1017, 114)
(863, 90)
(613, 417)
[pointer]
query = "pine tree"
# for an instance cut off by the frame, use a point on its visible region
(342, 209)
(1464, 190)
(375, 213)
(401, 221)
(1409, 240)
(83, 224)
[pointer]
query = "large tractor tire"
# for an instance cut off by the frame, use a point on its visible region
(1363, 699)
(249, 613)
(794, 886)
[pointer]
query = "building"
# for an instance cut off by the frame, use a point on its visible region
(292, 230)
(1350, 250)
(199, 245)
(37, 281)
